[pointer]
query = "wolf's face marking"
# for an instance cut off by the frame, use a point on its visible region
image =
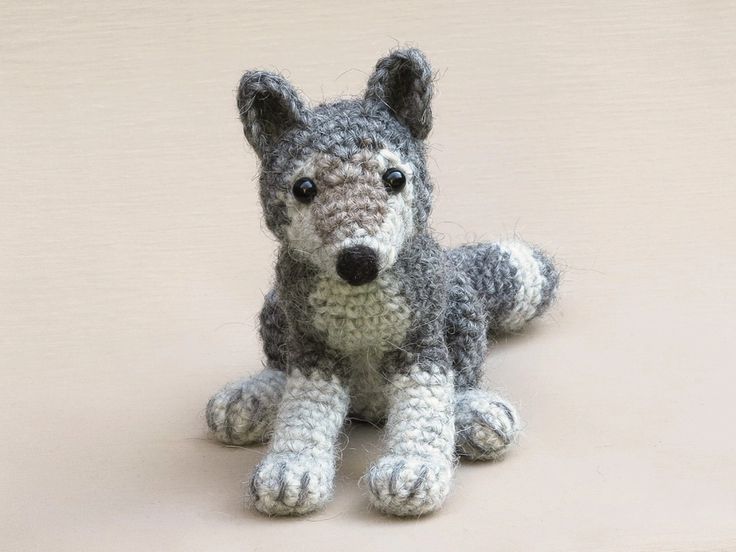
(352, 209)
(339, 153)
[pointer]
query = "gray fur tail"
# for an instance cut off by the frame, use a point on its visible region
(514, 281)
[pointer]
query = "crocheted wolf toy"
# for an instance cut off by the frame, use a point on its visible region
(369, 317)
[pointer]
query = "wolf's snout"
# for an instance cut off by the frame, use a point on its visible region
(357, 265)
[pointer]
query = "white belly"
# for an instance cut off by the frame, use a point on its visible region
(368, 398)
(371, 318)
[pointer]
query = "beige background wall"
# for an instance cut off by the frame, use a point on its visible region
(133, 261)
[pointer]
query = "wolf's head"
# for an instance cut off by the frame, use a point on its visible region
(344, 185)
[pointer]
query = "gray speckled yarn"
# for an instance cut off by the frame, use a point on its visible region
(369, 317)
(243, 412)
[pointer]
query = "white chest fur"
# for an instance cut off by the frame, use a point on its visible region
(372, 318)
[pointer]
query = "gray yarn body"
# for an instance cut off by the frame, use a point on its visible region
(396, 334)
(459, 298)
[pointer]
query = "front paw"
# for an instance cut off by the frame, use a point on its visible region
(286, 484)
(409, 486)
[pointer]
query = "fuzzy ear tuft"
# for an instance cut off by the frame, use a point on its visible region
(403, 82)
(269, 106)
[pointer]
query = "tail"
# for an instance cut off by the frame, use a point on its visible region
(515, 281)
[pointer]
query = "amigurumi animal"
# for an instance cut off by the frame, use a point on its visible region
(369, 317)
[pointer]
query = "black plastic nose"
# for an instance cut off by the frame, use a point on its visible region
(357, 265)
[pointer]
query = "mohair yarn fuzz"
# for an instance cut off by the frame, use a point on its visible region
(369, 317)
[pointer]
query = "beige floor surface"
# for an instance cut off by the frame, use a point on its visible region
(134, 259)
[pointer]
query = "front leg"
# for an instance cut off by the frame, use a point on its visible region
(297, 474)
(414, 475)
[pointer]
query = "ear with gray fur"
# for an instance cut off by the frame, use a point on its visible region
(403, 82)
(269, 106)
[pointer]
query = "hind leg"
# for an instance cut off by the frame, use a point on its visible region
(485, 425)
(243, 412)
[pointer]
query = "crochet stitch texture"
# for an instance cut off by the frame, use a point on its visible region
(369, 317)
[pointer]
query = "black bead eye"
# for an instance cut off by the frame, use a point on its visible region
(304, 190)
(394, 180)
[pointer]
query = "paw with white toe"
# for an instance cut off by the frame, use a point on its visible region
(243, 412)
(486, 425)
(291, 484)
(409, 486)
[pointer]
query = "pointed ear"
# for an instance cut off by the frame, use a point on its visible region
(403, 82)
(269, 106)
